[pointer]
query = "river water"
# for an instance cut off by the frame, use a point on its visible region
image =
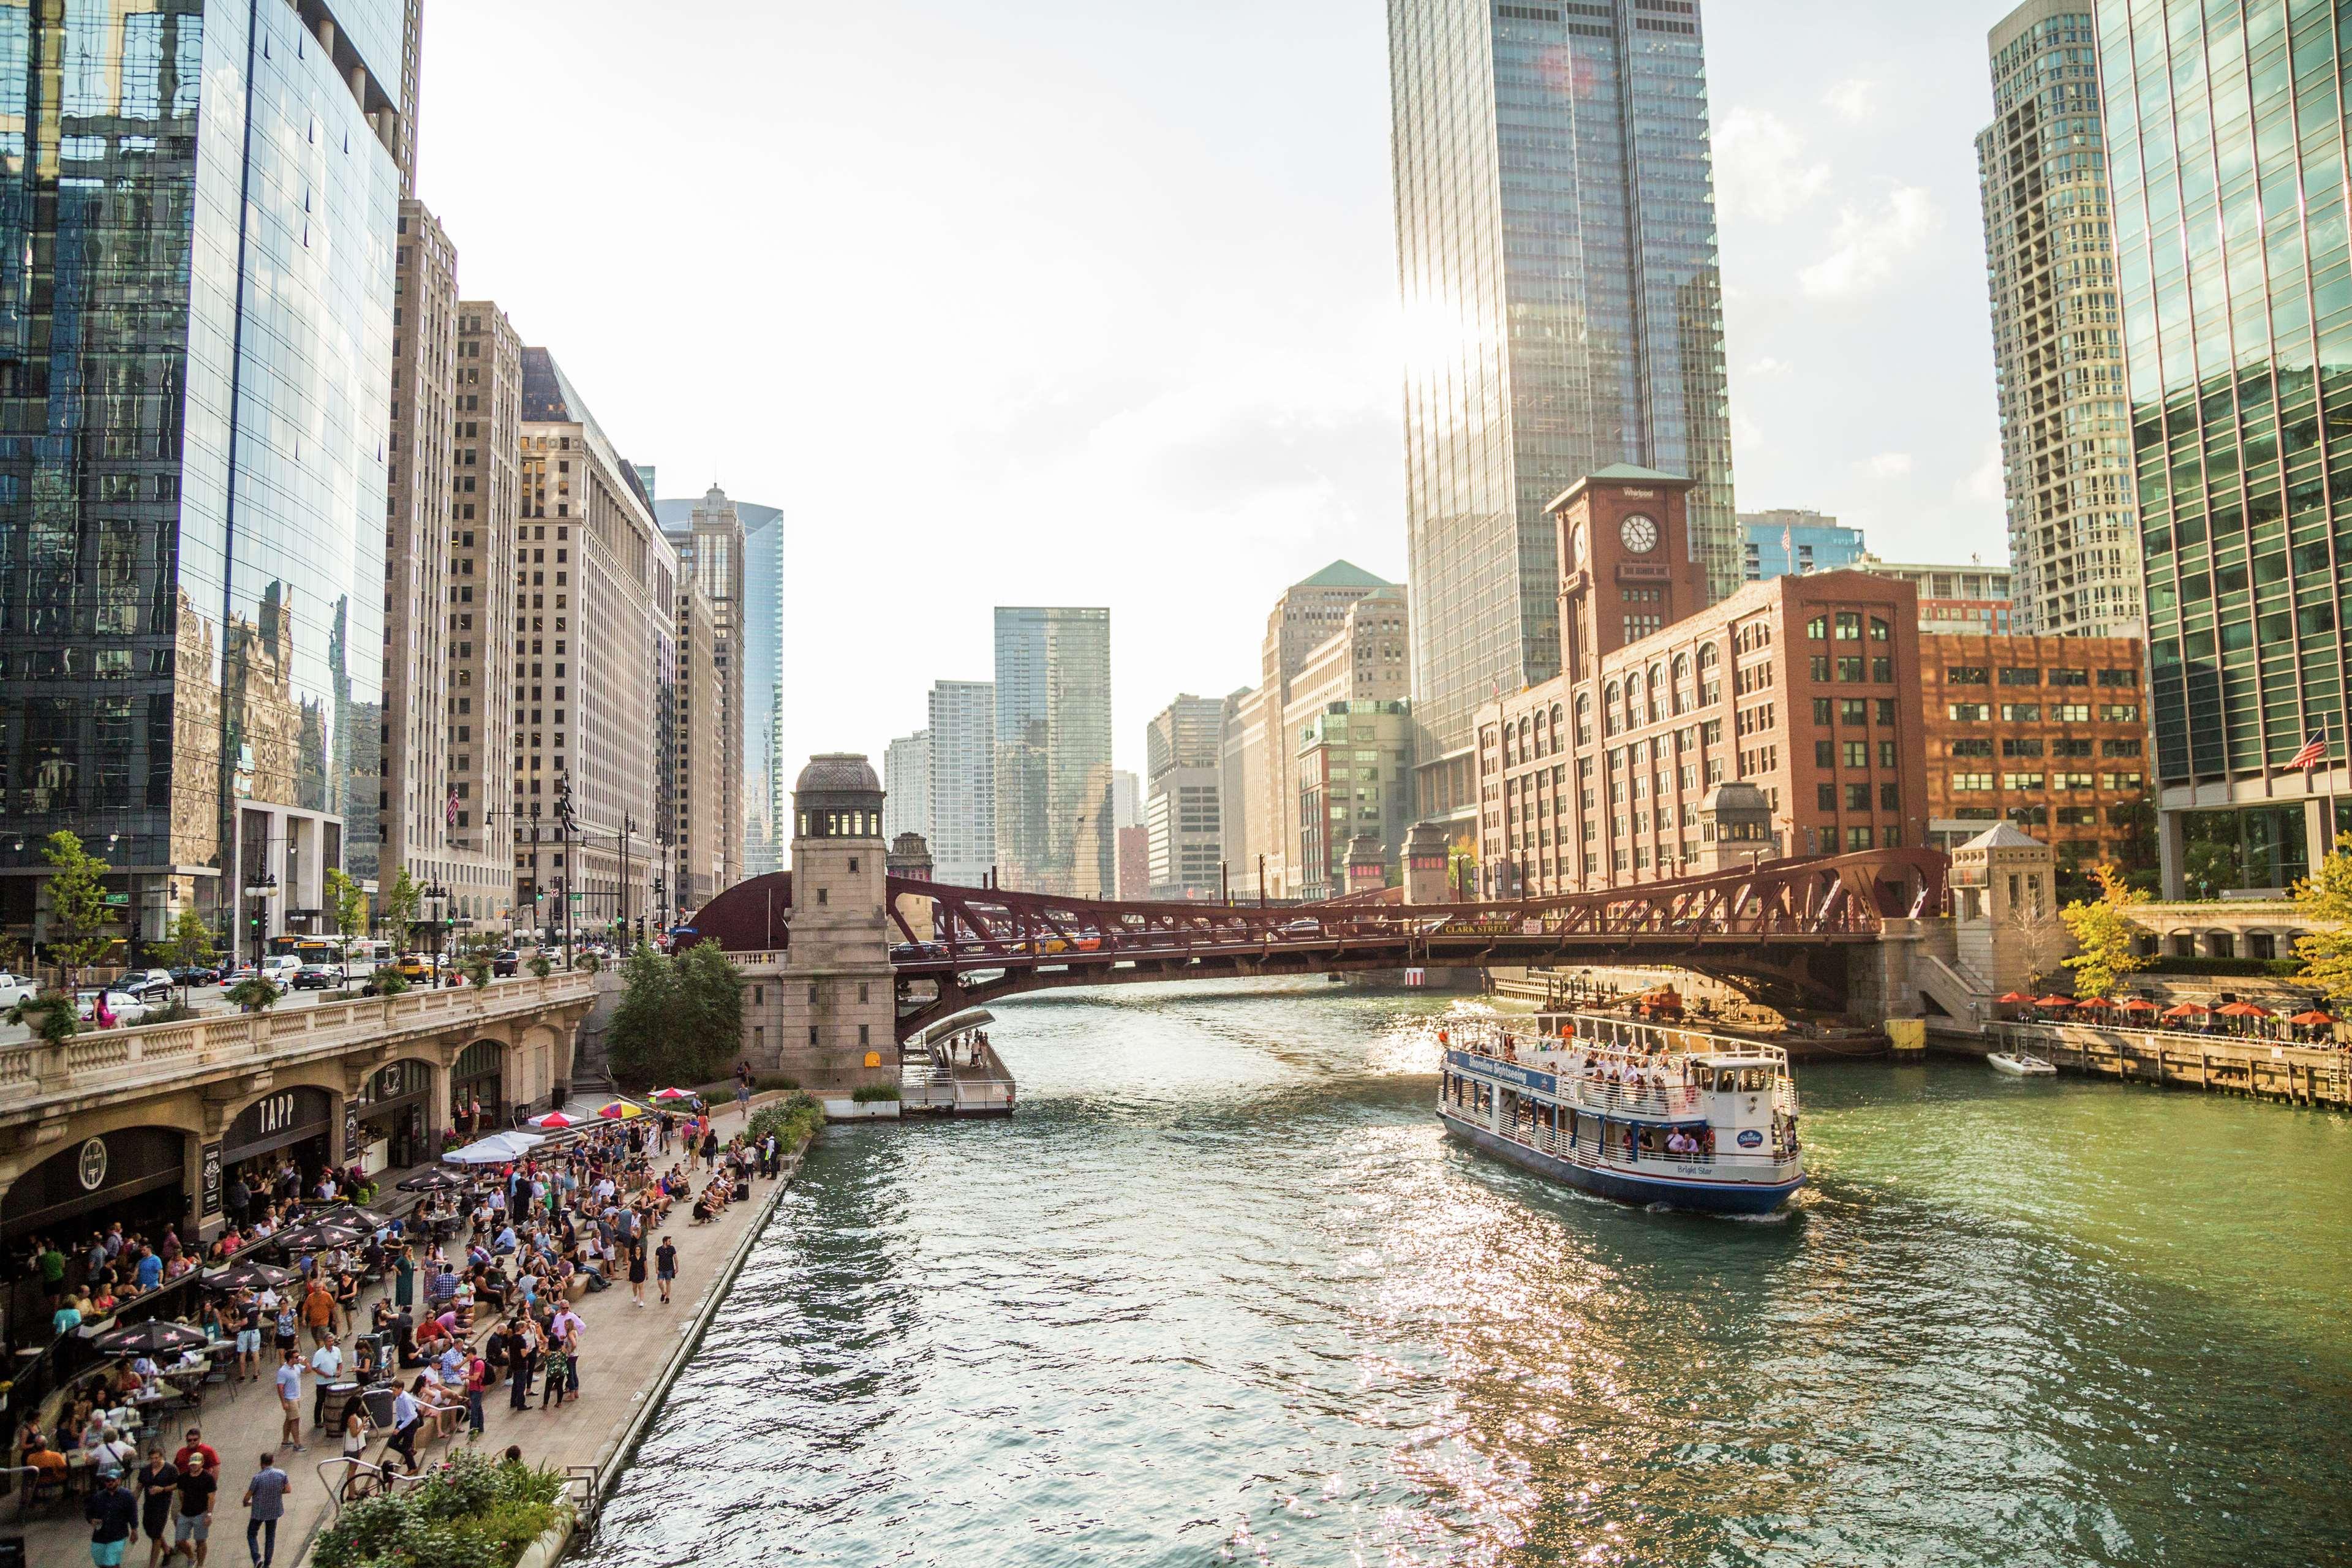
(1222, 1292)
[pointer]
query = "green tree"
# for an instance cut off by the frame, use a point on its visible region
(400, 902)
(2324, 898)
(2102, 930)
(79, 918)
(254, 995)
(349, 904)
(191, 945)
(711, 1010)
(643, 1041)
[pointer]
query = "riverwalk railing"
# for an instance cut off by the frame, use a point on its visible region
(2267, 1069)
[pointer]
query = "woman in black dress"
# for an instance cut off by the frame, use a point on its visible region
(638, 1272)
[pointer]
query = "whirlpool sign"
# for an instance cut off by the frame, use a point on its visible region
(1752, 1139)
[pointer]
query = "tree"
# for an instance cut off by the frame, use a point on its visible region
(2324, 899)
(254, 995)
(400, 902)
(640, 1043)
(191, 945)
(78, 917)
(349, 904)
(2102, 930)
(711, 1016)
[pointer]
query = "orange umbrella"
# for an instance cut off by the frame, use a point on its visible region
(2312, 1019)
(2137, 1004)
(2187, 1010)
(2244, 1010)
(2017, 999)
(2054, 1000)
(2094, 1002)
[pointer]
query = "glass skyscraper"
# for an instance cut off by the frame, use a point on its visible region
(198, 207)
(1555, 212)
(1053, 786)
(2226, 149)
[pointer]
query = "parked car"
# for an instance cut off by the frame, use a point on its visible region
(126, 1008)
(506, 961)
(197, 975)
(231, 974)
(16, 988)
(315, 977)
(147, 984)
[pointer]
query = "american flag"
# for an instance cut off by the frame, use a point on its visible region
(2314, 753)
(450, 811)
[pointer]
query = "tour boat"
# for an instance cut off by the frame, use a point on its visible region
(2021, 1063)
(1643, 1113)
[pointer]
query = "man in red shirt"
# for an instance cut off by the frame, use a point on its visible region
(196, 1444)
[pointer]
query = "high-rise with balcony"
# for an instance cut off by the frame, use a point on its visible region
(2225, 131)
(198, 207)
(2058, 348)
(1555, 214)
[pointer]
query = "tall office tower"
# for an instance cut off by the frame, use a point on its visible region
(1183, 759)
(758, 658)
(695, 835)
(962, 792)
(197, 225)
(1125, 799)
(2226, 145)
(2058, 346)
(709, 546)
(411, 62)
(1053, 750)
(1789, 540)
(1555, 214)
(486, 421)
(594, 635)
(907, 786)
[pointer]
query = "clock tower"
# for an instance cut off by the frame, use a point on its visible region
(1628, 565)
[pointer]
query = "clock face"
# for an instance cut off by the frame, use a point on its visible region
(1640, 534)
(1576, 547)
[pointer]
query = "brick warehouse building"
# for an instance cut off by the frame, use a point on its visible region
(2049, 734)
(1803, 687)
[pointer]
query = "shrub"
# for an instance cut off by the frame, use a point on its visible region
(52, 1015)
(865, 1093)
(541, 966)
(254, 995)
(169, 1013)
(794, 1121)
(469, 1513)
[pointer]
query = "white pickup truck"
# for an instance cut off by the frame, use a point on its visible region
(16, 988)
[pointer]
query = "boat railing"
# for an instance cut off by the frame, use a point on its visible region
(1672, 1100)
(1584, 1151)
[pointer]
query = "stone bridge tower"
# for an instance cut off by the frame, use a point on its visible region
(839, 993)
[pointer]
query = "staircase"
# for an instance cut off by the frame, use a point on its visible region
(1966, 999)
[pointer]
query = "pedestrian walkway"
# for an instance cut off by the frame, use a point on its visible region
(623, 1349)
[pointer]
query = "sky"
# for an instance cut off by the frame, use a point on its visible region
(1043, 302)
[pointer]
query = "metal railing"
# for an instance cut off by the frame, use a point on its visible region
(1773, 1165)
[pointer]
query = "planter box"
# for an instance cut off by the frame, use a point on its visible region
(860, 1109)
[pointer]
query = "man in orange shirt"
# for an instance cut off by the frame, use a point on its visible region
(319, 1310)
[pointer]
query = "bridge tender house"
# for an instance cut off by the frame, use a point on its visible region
(387, 1126)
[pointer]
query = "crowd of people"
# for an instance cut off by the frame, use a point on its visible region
(474, 1291)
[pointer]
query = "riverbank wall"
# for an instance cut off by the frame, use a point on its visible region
(2258, 1069)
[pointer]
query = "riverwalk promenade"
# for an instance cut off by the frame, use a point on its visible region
(627, 1351)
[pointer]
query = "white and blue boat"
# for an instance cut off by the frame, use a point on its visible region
(1644, 1113)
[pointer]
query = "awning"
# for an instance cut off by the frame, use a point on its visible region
(496, 1150)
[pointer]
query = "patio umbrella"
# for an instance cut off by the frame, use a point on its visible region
(347, 1213)
(433, 1181)
(2312, 1019)
(2244, 1010)
(2016, 999)
(2054, 1000)
(672, 1094)
(319, 1234)
(158, 1336)
(250, 1276)
(620, 1109)
(553, 1119)
(2185, 1010)
(2137, 1004)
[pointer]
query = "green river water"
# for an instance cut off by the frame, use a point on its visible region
(1223, 1292)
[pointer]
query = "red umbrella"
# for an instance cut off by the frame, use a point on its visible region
(2312, 1019)
(2137, 1004)
(2244, 1010)
(2054, 1000)
(552, 1119)
(2187, 1010)
(2017, 999)
(2094, 1002)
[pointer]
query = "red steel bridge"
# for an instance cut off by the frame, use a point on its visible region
(1782, 927)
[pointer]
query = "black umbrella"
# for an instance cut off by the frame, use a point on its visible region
(433, 1181)
(319, 1235)
(157, 1337)
(250, 1276)
(347, 1213)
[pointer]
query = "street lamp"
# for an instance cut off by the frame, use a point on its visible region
(438, 898)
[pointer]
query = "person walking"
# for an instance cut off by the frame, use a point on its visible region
(199, 1485)
(638, 1272)
(288, 1378)
(477, 1383)
(522, 1360)
(265, 1501)
(156, 1485)
(407, 1418)
(113, 1520)
(355, 1441)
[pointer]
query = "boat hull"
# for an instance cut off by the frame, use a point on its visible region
(1704, 1197)
(2020, 1067)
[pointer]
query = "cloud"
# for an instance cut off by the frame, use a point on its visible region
(1887, 465)
(1769, 368)
(1867, 246)
(1760, 168)
(1853, 101)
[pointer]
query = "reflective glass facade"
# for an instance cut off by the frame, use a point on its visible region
(2226, 140)
(1053, 785)
(196, 225)
(1557, 259)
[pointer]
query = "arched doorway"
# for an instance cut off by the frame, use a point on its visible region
(478, 1088)
(277, 1145)
(133, 1176)
(390, 1125)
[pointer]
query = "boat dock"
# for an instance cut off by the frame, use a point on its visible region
(952, 1069)
(2219, 1064)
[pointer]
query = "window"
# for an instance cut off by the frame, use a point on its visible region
(2029, 815)
(1883, 710)
(1849, 668)
(1857, 837)
(2022, 712)
(1821, 710)
(1825, 797)
(2021, 780)
(2070, 748)
(1882, 672)
(1964, 674)
(2119, 748)
(1857, 753)
(1818, 629)
(2070, 678)
(2119, 713)
(1887, 753)
(1819, 666)
(1849, 627)
(1853, 711)
(2071, 712)
(2012, 676)
(1824, 754)
(1968, 712)
(1973, 747)
(2121, 781)
(1857, 797)
(2070, 781)
(1970, 784)
(2020, 748)
(2119, 678)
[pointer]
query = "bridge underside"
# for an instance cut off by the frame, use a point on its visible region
(1808, 973)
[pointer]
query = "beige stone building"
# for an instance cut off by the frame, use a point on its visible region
(596, 606)
(1337, 636)
(711, 552)
(699, 842)
(486, 418)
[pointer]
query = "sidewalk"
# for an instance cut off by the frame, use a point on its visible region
(623, 1349)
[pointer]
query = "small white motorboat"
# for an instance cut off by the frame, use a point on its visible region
(2020, 1064)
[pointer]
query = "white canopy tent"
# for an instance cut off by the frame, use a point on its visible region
(495, 1149)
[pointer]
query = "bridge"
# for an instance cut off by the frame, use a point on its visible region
(1794, 930)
